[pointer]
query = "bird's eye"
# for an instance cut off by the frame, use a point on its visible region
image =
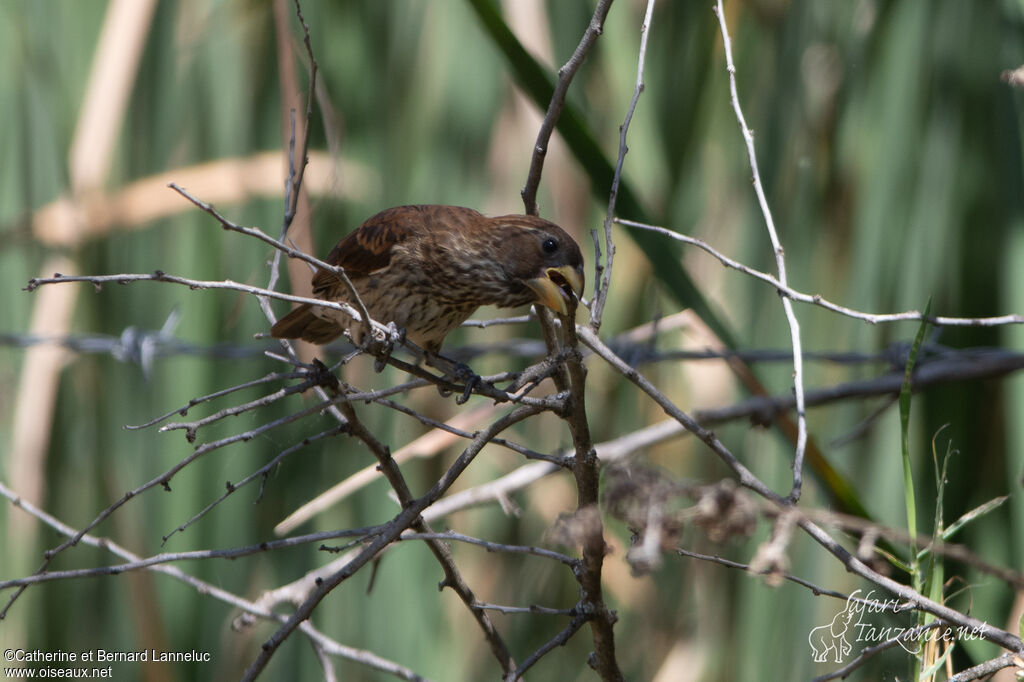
(549, 245)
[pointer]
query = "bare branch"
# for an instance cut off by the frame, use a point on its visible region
(602, 281)
(780, 263)
(336, 270)
(495, 546)
(297, 167)
(204, 588)
(442, 553)
(745, 476)
(140, 563)
(533, 609)
(183, 410)
(392, 530)
(160, 276)
(816, 589)
(261, 473)
(816, 299)
(558, 640)
(983, 670)
(547, 127)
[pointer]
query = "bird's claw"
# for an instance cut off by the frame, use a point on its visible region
(471, 384)
(463, 374)
(458, 373)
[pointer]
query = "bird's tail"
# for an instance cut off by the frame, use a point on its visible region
(303, 323)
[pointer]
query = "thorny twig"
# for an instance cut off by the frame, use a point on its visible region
(281, 247)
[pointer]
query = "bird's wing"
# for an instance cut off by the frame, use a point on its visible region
(369, 247)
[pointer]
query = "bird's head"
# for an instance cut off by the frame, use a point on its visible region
(541, 259)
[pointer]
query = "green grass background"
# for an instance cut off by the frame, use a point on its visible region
(891, 156)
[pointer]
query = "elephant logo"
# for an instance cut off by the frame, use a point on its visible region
(832, 637)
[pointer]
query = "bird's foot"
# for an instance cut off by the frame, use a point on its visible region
(470, 378)
(457, 372)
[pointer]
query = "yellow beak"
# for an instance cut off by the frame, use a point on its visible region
(556, 286)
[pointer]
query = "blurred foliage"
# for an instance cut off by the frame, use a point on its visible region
(891, 156)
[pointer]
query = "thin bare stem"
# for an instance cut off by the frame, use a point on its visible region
(453, 578)
(183, 410)
(557, 103)
(564, 635)
(602, 282)
(296, 171)
(988, 668)
(161, 276)
(780, 263)
(818, 300)
(297, 167)
(262, 472)
(816, 589)
(141, 563)
(745, 476)
(405, 519)
(495, 546)
(201, 587)
(336, 270)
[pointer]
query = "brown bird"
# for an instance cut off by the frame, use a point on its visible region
(428, 268)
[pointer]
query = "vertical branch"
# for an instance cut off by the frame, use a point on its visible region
(604, 271)
(565, 76)
(297, 170)
(295, 132)
(780, 261)
(586, 469)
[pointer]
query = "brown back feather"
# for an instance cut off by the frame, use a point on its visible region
(369, 248)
